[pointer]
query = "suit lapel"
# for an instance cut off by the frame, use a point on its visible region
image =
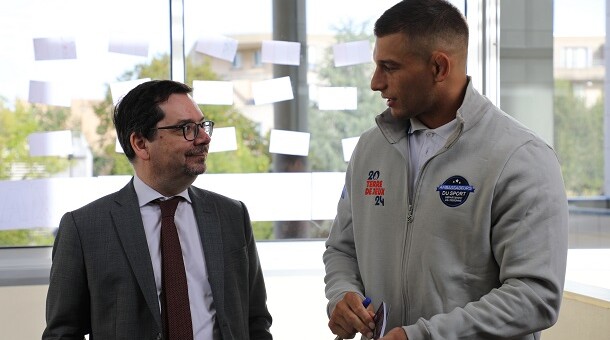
(128, 223)
(211, 239)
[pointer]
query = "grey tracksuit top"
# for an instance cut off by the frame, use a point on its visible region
(479, 253)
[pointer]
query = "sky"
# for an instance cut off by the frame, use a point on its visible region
(98, 21)
(579, 17)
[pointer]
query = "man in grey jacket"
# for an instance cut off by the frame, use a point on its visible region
(453, 213)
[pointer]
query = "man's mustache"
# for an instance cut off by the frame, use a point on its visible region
(198, 150)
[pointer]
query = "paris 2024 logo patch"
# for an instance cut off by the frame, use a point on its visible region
(454, 191)
(374, 187)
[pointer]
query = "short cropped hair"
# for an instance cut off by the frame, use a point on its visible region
(431, 23)
(139, 112)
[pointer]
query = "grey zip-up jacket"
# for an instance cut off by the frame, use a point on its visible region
(479, 253)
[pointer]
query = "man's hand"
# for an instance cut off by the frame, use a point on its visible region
(350, 317)
(396, 334)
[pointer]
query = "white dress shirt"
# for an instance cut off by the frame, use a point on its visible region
(200, 293)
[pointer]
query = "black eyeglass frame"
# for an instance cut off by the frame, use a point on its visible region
(206, 125)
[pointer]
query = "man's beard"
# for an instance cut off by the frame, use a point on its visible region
(195, 171)
(198, 169)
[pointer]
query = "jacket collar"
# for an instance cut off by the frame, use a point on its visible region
(469, 114)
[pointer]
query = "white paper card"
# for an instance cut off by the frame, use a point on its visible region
(281, 52)
(337, 98)
(128, 45)
(289, 142)
(48, 93)
(271, 91)
(120, 89)
(223, 139)
(326, 190)
(349, 144)
(289, 192)
(54, 48)
(217, 46)
(213, 92)
(352, 53)
(117, 146)
(53, 143)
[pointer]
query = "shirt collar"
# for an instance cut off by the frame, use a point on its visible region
(444, 131)
(416, 125)
(146, 194)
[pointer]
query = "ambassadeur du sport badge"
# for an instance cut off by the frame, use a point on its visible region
(454, 191)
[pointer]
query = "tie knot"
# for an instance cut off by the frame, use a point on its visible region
(168, 207)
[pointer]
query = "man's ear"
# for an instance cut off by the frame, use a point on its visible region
(139, 144)
(441, 66)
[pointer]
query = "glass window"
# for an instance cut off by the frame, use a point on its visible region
(237, 63)
(64, 69)
(575, 57)
(579, 96)
(257, 61)
(275, 48)
(59, 61)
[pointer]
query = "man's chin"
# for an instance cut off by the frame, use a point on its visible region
(196, 170)
(400, 114)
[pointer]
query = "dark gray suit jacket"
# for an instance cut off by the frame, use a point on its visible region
(102, 281)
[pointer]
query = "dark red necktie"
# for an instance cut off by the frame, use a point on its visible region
(176, 312)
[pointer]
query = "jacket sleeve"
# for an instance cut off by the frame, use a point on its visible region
(259, 318)
(340, 261)
(67, 310)
(529, 229)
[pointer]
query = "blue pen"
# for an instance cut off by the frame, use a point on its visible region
(366, 302)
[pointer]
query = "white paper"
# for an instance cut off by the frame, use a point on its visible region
(349, 144)
(120, 89)
(281, 52)
(54, 48)
(217, 46)
(352, 53)
(52, 143)
(337, 98)
(270, 196)
(289, 142)
(295, 196)
(128, 45)
(271, 91)
(213, 92)
(223, 139)
(117, 146)
(326, 191)
(49, 93)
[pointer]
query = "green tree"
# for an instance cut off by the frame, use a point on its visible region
(15, 127)
(579, 140)
(328, 128)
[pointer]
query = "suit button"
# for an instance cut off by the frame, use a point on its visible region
(158, 336)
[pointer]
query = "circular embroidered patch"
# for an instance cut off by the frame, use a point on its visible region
(454, 191)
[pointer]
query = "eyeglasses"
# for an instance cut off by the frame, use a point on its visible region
(191, 130)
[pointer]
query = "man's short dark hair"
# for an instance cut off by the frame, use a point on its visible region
(425, 22)
(139, 112)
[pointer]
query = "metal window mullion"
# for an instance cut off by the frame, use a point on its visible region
(176, 36)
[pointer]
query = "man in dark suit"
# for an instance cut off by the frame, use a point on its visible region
(108, 265)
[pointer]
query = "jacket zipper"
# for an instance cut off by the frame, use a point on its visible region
(410, 219)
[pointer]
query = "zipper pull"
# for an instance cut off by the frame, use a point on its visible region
(410, 214)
